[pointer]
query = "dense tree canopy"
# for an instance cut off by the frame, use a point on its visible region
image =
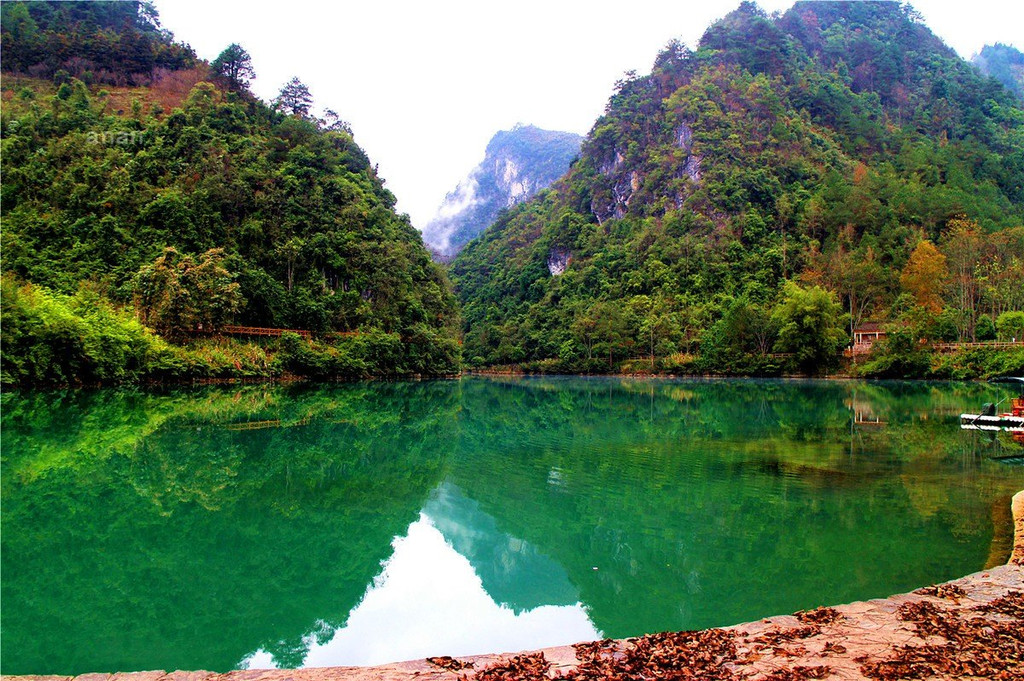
(130, 200)
(840, 149)
(177, 294)
(820, 147)
(104, 41)
(810, 326)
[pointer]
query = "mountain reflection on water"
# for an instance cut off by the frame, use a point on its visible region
(456, 584)
(361, 523)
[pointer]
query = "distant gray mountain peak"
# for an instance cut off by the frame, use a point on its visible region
(517, 164)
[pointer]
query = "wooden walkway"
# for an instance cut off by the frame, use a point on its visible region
(865, 348)
(233, 330)
(267, 331)
(990, 345)
(269, 423)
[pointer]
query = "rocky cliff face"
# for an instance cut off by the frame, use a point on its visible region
(518, 163)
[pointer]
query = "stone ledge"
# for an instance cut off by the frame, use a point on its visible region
(844, 640)
(1017, 558)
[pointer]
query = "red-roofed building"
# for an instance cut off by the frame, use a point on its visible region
(866, 335)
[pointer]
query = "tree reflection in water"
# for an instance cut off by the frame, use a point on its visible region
(189, 528)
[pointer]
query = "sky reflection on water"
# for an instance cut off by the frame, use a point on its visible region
(429, 600)
(364, 523)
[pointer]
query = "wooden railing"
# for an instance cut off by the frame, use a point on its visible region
(991, 345)
(254, 425)
(234, 330)
(269, 423)
(865, 348)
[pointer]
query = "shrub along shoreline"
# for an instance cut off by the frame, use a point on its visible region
(52, 339)
(928, 364)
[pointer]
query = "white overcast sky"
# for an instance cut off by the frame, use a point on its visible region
(426, 83)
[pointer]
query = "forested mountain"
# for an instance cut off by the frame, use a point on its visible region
(739, 209)
(120, 43)
(746, 203)
(1005, 63)
(517, 164)
(172, 195)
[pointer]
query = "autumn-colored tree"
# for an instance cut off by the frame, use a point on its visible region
(925, 275)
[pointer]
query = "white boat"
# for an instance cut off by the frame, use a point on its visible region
(990, 419)
(982, 422)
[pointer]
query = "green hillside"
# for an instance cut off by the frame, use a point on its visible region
(746, 203)
(138, 176)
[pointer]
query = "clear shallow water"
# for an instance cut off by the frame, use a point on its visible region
(364, 523)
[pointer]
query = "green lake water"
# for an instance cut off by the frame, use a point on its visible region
(281, 525)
